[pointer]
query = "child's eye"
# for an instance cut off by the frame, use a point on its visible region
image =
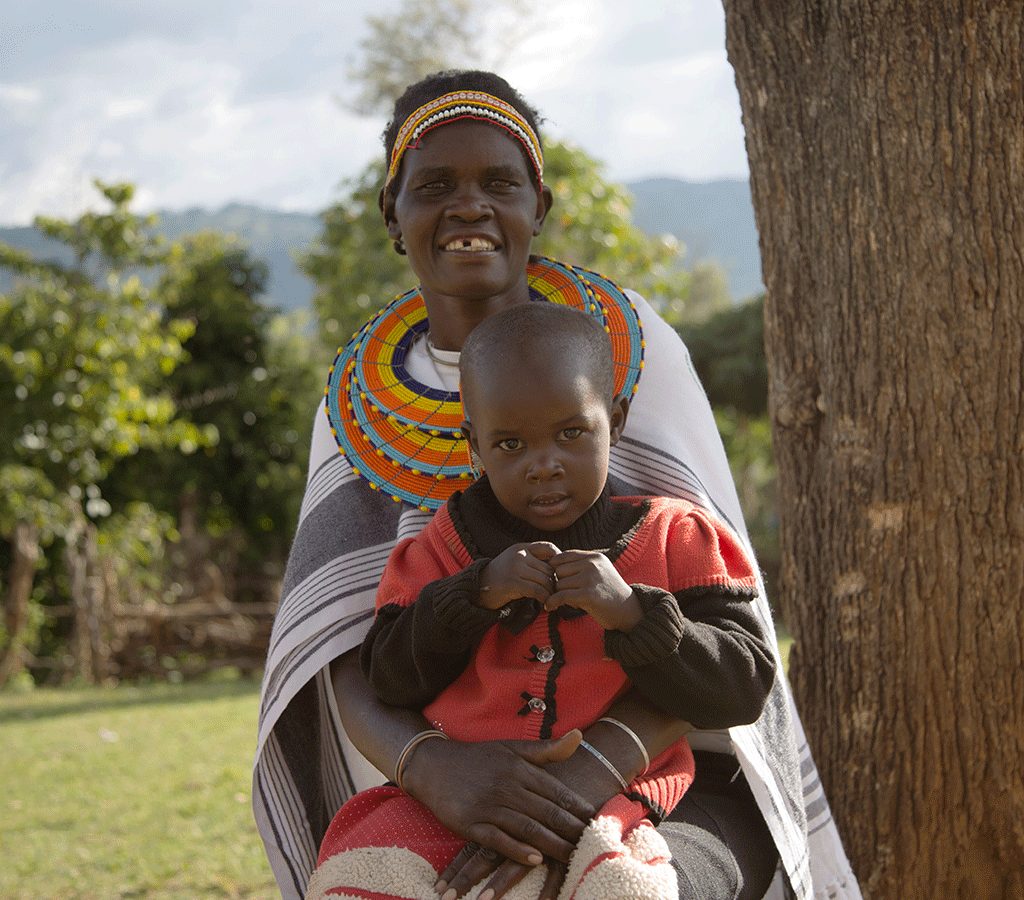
(569, 434)
(510, 445)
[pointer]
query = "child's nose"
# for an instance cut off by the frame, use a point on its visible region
(544, 466)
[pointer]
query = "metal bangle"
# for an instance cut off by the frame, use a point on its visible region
(601, 758)
(414, 742)
(636, 739)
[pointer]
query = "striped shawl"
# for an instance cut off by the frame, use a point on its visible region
(305, 766)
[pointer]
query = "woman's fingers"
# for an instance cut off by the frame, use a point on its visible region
(467, 852)
(531, 835)
(553, 880)
(472, 864)
(506, 877)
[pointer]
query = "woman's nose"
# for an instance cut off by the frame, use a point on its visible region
(470, 204)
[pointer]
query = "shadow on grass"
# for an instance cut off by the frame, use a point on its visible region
(47, 703)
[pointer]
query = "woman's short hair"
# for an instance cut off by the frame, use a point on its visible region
(441, 83)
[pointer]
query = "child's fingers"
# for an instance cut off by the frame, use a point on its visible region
(566, 557)
(543, 550)
(567, 597)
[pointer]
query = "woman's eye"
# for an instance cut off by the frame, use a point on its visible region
(510, 445)
(569, 434)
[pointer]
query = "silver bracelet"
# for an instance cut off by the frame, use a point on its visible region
(603, 760)
(636, 739)
(414, 742)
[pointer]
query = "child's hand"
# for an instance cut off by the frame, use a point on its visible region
(520, 571)
(586, 579)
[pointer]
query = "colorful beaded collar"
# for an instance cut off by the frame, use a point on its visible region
(404, 437)
(465, 105)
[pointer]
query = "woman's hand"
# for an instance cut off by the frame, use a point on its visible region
(498, 795)
(583, 776)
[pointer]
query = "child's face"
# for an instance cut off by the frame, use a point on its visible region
(543, 435)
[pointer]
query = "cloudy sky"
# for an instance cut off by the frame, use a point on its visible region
(203, 103)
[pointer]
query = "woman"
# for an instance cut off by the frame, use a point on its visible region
(463, 199)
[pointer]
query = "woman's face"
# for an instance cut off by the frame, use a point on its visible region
(467, 210)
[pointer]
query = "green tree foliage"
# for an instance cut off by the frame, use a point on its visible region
(727, 350)
(353, 264)
(84, 357)
(248, 378)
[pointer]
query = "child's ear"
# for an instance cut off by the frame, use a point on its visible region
(620, 412)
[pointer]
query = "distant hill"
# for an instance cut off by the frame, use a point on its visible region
(715, 221)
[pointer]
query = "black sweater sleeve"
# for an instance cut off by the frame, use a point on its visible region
(414, 652)
(700, 655)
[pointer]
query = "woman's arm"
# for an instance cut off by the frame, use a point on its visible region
(495, 793)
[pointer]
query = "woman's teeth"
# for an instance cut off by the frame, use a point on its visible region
(469, 244)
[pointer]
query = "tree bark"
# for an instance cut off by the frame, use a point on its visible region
(886, 151)
(25, 553)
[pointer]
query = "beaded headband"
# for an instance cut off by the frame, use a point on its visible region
(464, 105)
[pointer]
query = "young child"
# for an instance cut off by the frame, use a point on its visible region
(537, 597)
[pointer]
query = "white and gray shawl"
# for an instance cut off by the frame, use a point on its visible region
(305, 766)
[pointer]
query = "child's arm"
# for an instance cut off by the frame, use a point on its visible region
(420, 643)
(700, 652)
(413, 651)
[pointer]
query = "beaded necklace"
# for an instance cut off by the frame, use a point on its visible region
(404, 437)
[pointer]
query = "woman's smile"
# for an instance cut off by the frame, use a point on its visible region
(470, 245)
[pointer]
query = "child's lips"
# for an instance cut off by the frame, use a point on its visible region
(551, 504)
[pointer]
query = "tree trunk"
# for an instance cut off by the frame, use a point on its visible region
(24, 557)
(886, 151)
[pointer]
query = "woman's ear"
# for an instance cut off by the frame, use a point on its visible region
(544, 201)
(619, 414)
(386, 203)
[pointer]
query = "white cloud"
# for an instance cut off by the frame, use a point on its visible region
(237, 100)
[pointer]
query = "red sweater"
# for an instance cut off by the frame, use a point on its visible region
(539, 675)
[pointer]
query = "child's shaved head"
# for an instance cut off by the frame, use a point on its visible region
(539, 334)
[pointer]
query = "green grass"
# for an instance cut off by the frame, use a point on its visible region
(130, 792)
